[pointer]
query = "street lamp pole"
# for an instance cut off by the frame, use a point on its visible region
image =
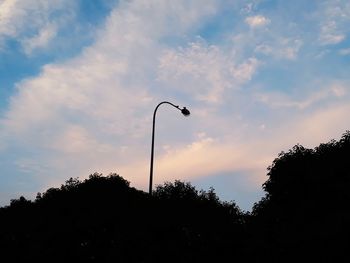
(185, 112)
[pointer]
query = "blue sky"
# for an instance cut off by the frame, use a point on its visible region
(80, 80)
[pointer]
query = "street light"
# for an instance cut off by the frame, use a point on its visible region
(185, 112)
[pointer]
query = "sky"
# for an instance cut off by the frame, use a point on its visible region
(79, 81)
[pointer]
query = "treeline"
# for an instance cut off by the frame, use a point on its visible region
(304, 215)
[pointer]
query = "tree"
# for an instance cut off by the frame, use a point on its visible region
(306, 206)
(103, 219)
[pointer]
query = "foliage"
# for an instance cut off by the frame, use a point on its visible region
(306, 206)
(103, 219)
(304, 215)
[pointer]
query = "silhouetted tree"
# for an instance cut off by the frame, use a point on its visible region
(306, 212)
(103, 219)
(204, 227)
(304, 215)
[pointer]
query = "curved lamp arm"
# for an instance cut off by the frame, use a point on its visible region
(185, 112)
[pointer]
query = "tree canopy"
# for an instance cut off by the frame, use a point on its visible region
(103, 219)
(306, 209)
(304, 215)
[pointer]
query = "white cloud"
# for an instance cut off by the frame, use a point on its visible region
(282, 48)
(334, 25)
(339, 90)
(7, 11)
(264, 48)
(41, 40)
(76, 139)
(291, 48)
(93, 112)
(329, 34)
(212, 156)
(206, 69)
(281, 100)
(257, 21)
(252, 154)
(245, 71)
(320, 125)
(31, 22)
(344, 52)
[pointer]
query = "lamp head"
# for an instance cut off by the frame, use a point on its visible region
(185, 111)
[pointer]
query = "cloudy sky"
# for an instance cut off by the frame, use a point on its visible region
(79, 81)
